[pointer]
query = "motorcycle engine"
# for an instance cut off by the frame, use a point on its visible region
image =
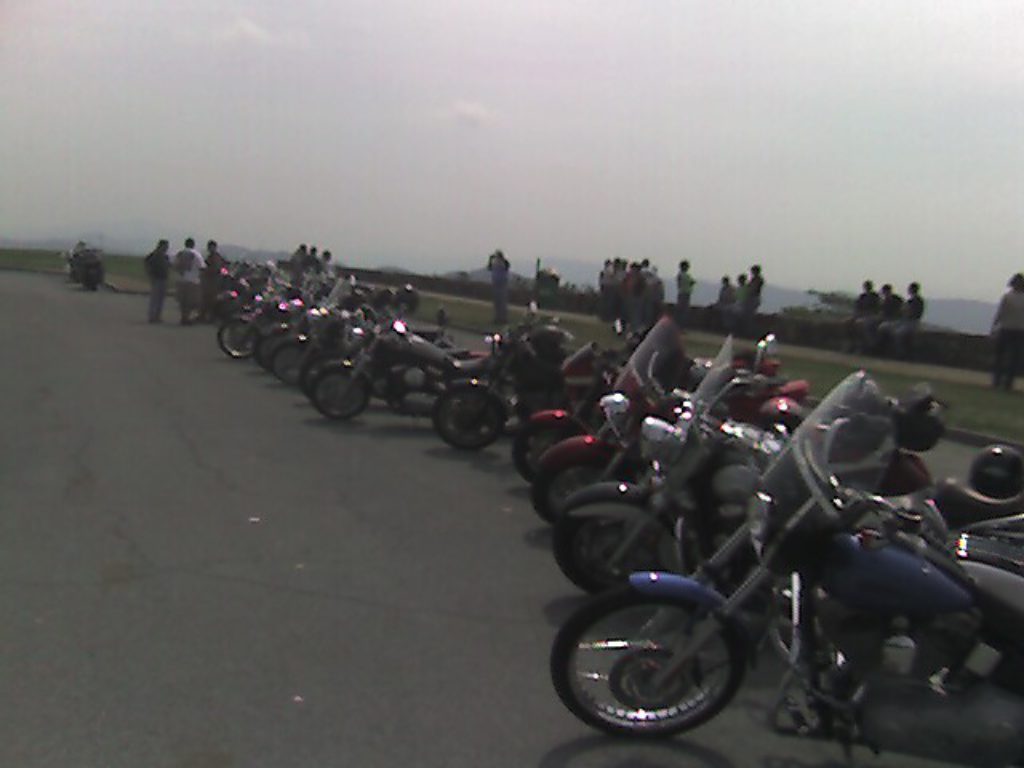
(414, 378)
(919, 695)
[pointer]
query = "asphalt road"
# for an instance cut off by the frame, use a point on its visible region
(197, 571)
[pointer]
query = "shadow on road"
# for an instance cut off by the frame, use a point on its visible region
(619, 753)
(557, 611)
(539, 537)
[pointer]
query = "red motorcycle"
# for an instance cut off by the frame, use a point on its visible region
(647, 382)
(587, 374)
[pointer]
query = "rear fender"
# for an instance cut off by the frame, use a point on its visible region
(556, 418)
(579, 449)
(618, 500)
(675, 587)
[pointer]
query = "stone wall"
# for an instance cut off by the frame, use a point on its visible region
(936, 347)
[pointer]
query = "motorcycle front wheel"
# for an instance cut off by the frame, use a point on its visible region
(607, 661)
(468, 419)
(586, 549)
(532, 440)
(337, 394)
(286, 364)
(551, 487)
(236, 339)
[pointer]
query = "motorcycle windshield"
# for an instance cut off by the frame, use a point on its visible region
(847, 441)
(656, 361)
(719, 373)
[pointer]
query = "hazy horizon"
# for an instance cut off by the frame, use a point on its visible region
(827, 141)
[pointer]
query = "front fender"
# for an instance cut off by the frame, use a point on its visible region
(609, 499)
(556, 417)
(579, 449)
(675, 587)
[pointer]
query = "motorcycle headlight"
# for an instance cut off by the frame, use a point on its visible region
(616, 409)
(660, 441)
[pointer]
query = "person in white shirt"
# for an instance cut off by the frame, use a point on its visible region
(1008, 329)
(189, 265)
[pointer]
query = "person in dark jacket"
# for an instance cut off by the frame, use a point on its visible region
(210, 283)
(906, 329)
(158, 269)
(866, 316)
(892, 313)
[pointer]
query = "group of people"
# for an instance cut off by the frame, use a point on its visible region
(883, 322)
(308, 259)
(634, 295)
(198, 278)
(738, 302)
(631, 294)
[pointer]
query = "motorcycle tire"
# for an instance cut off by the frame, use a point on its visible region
(236, 339)
(531, 441)
(266, 346)
(469, 420)
(311, 369)
(582, 545)
(338, 395)
(287, 361)
(550, 488)
(636, 707)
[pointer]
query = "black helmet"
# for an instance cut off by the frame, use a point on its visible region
(997, 472)
(408, 298)
(918, 421)
(382, 298)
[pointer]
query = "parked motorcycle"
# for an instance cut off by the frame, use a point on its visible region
(705, 470)
(398, 366)
(524, 378)
(899, 643)
(588, 374)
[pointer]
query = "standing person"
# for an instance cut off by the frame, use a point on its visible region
(906, 328)
(210, 282)
(606, 286)
(726, 304)
(739, 307)
(1008, 329)
(684, 290)
(298, 262)
(188, 263)
(634, 289)
(327, 261)
(892, 309)
(751, 300)
(499, 268)
(158, 269)
(862, 326)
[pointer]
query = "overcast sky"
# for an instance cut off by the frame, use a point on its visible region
(829, 141)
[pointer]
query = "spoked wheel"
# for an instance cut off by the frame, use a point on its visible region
(615, 665)
(468, 420)
(587, 549)
(236, 339)
(287, 362)
(337, 394)
(530, 443)
(312, 366)
(550, 488)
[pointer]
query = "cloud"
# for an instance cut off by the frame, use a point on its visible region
(244, 30)
(471, 113)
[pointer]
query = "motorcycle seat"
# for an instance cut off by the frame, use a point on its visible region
(962, 506)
